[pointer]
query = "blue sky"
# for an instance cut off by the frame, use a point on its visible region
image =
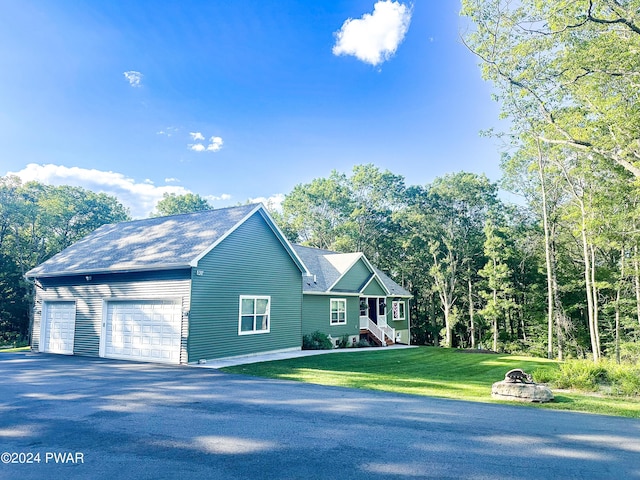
(237, 100)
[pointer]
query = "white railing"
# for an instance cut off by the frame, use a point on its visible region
(377, 331)
(388, 331)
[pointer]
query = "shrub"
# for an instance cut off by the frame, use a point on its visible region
(363, 343)
(316, 341)
(630, 353)
(606, 376)
(343, 342)
(545, 375)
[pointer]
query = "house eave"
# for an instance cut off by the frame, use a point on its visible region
(69, 273)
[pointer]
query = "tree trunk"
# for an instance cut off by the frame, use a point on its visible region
(471, 313)
(547, 255)
(636, 278)
(596, 309)
(617, 305)
(588, 288)
(495, 322)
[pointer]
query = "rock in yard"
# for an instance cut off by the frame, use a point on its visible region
(521, 392)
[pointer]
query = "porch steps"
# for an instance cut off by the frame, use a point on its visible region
(371, 338)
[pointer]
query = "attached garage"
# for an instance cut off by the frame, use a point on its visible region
(169, 289)
(57, 330)
(148, 330)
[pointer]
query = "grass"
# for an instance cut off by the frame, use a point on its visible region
(431, 371)
(14, 349)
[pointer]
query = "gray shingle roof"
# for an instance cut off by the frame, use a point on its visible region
(326, 267)
(154, 243)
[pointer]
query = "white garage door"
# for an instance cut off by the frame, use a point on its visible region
(148, 331)
(58, 327)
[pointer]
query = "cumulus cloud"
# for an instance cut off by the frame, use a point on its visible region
(217, 198)
(273, 202)
(215, 143)
(375, 37)
(134, 78)
(139, 197)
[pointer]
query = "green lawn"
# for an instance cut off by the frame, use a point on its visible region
(14, 349)
(429, 371)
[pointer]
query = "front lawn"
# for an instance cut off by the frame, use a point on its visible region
(429, 371)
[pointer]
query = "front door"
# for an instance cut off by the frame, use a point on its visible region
(372, 303)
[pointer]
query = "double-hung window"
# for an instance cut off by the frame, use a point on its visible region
(397, 308)
(338, 311)
(254, 314)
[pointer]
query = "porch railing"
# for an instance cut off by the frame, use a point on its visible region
(378, 331)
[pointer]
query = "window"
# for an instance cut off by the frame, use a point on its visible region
(338, 311)
(254, 315)
(398, 310)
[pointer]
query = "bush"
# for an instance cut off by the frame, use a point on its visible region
(545, 375)
(605, 376)
(316, 341)
(363, 343)
(343, 342)
(630, 353)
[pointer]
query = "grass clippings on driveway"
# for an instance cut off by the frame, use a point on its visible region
(429, 371)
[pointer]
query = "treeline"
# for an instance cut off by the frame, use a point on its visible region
(557, 276)
(36, 222)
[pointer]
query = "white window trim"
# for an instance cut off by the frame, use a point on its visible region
(344, 302)
(404, 308)
(268, 313)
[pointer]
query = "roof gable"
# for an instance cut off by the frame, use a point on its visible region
(177, 241)
(329, 269)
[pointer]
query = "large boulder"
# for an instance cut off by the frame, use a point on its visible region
(521, 392)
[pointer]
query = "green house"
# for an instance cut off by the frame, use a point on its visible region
(347, 298)
(214, 284)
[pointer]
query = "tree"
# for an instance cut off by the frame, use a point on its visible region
(36, 222)
(498, 276)
(569, 68)
(173, 204)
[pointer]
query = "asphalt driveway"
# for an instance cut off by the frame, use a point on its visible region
(74, 417)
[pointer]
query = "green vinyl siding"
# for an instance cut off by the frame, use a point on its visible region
(316, 315)
(251, 261)
(354, 279)
(398, 324)
(90, 297)
(374, 289)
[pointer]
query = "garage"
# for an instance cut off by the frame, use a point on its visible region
(148, 331)
(58, 327)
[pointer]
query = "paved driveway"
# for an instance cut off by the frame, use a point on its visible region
(107, 419)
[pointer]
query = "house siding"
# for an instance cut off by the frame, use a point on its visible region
(374, 290)
(316, 312)
(400, 326)
(354, 279)
(250, 261)
(90, 296)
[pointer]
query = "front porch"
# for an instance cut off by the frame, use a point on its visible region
(373, 322)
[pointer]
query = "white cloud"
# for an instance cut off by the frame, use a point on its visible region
(171, 180)
(375, 37)
(215, 144)
(140, 197)
(169, 131)
(273, 202)
(217, 198)
(134, 78)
